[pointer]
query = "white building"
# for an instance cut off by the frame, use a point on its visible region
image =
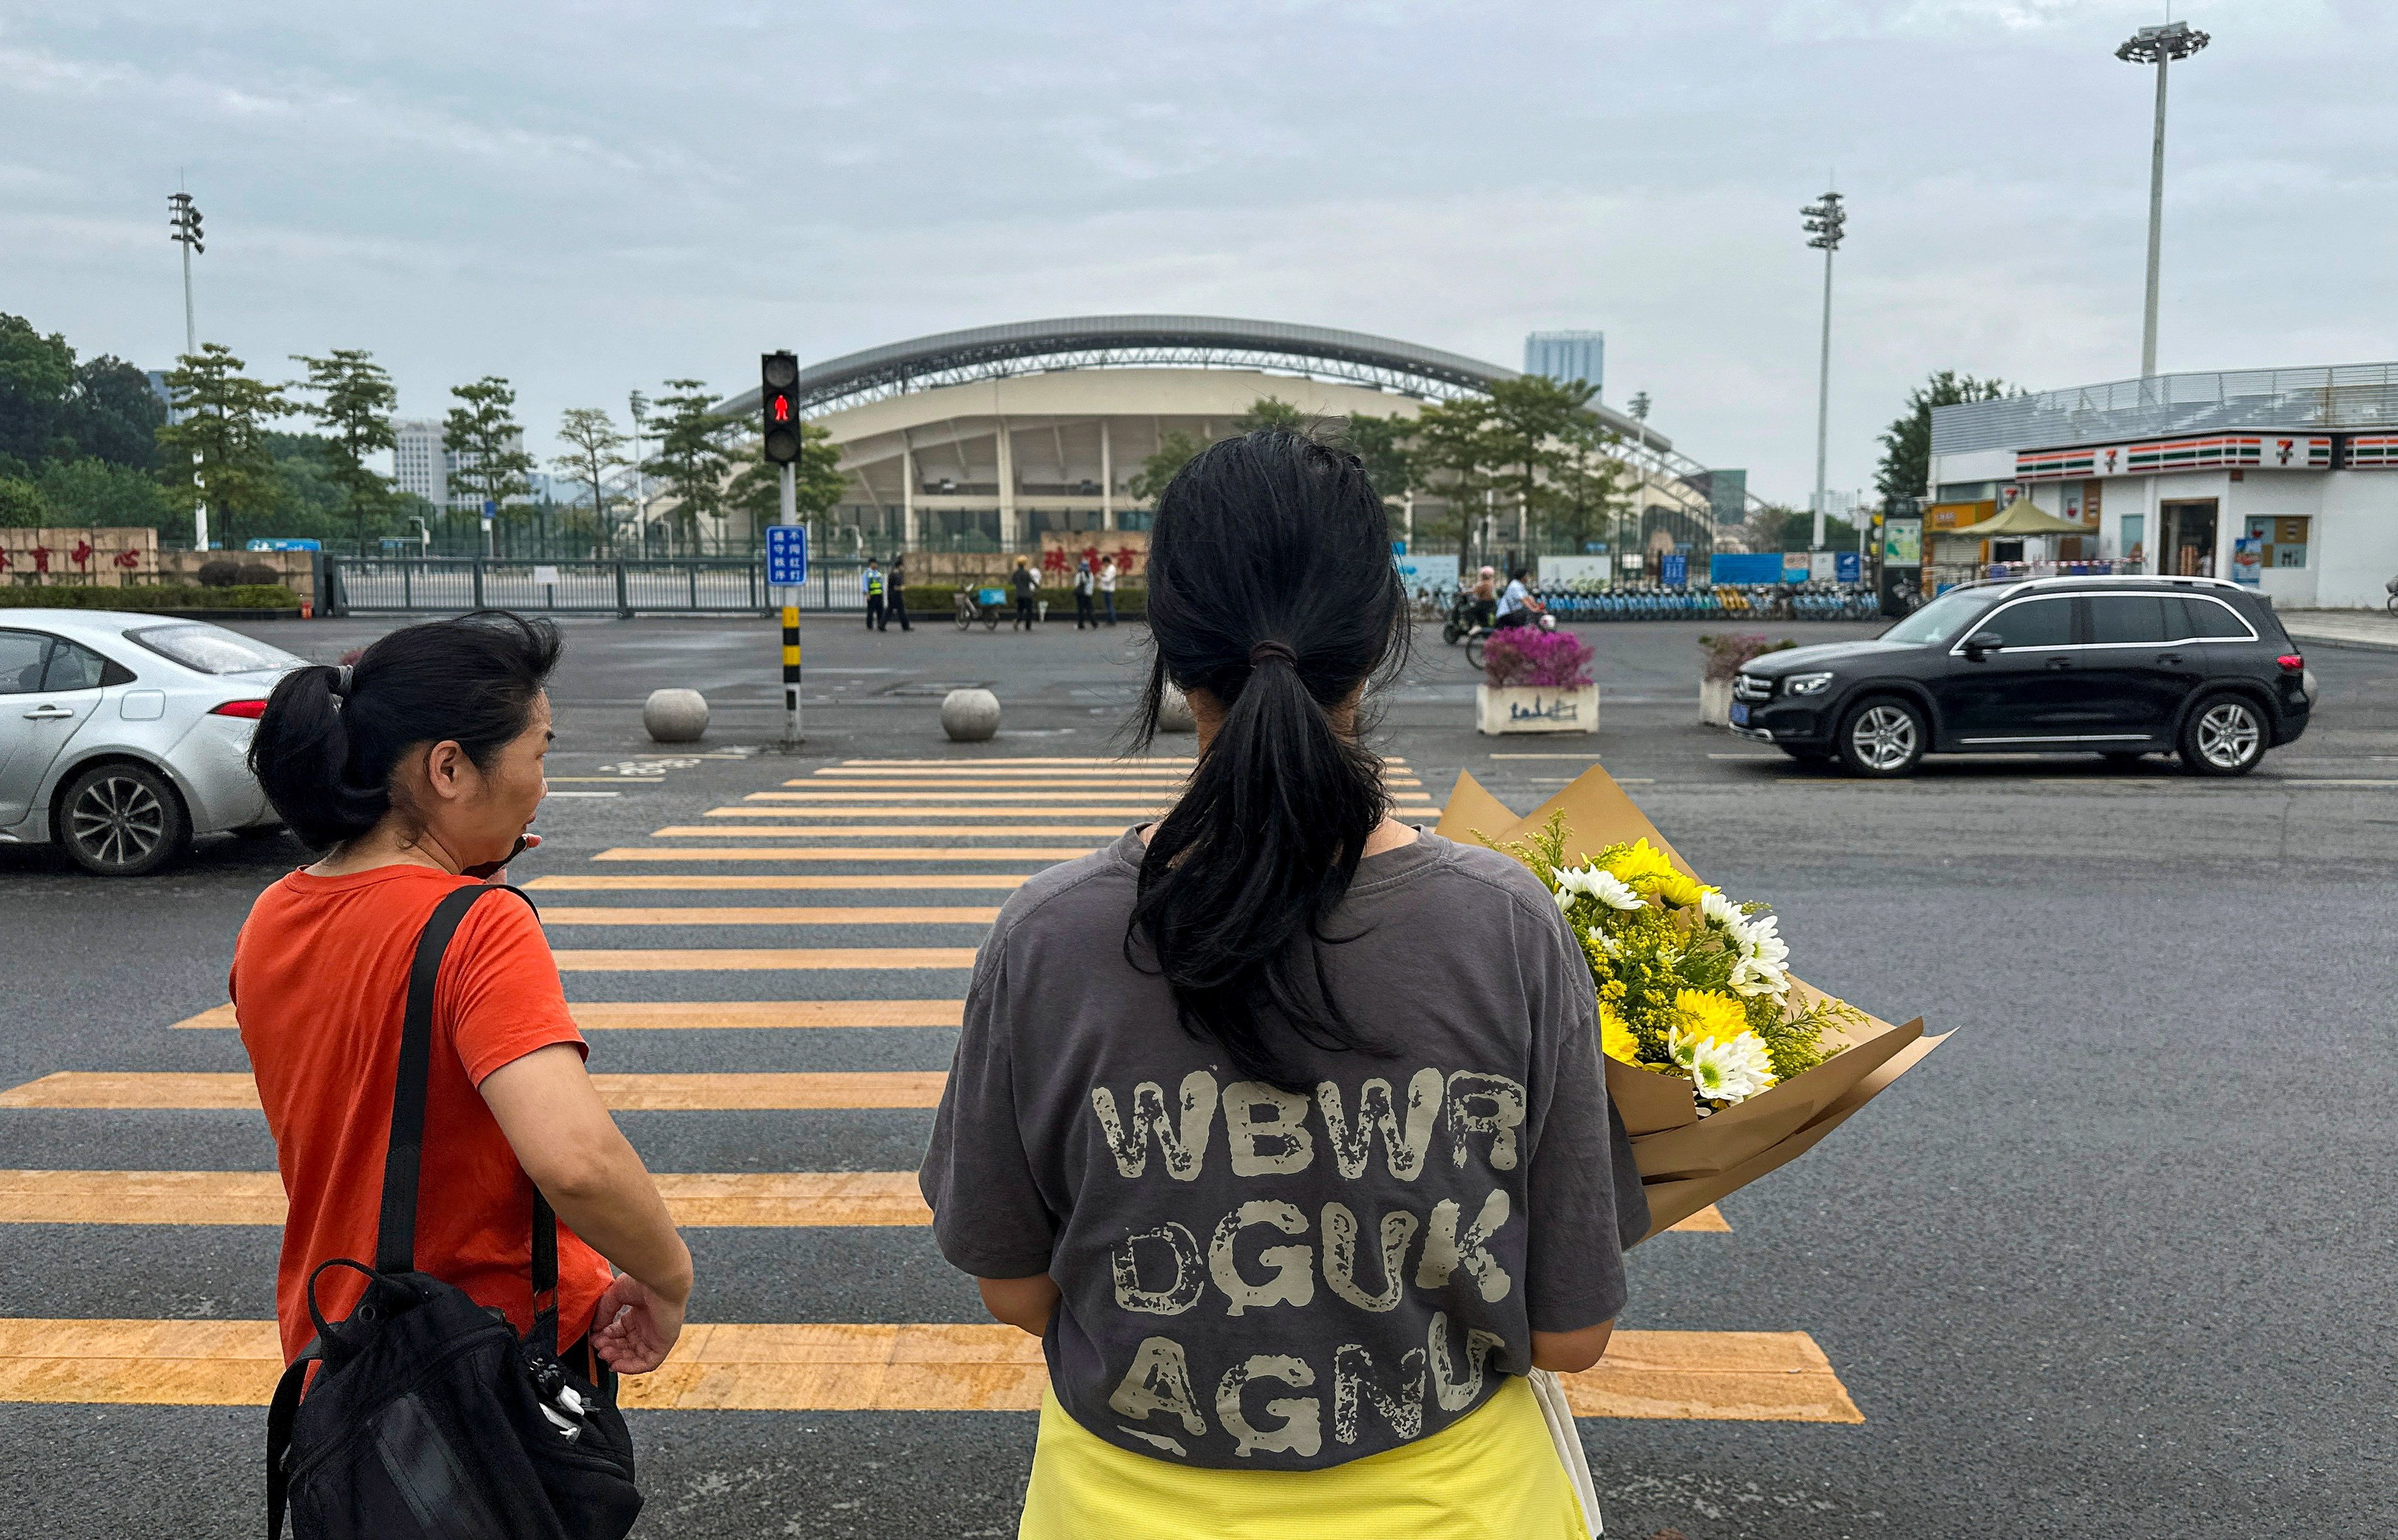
(422, 465)
(2283, 479)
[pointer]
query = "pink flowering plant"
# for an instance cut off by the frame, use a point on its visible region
(1528, 656)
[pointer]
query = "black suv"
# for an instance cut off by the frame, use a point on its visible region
(2118, 667)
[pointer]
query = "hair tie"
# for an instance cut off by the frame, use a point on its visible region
(1263, 651)
(341, 681)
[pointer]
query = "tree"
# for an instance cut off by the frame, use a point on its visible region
(92, 490)
(1175, 449)
(596, 449)
(21, 504)
(1528, 416)
(1269, 412)
(53, 408)
(218, 450)
(355, 403)
(819, 482)
(1384, 446)
(1455, 452)
(1907, 444)
(483, 432)
(692, 457)
(1592, 486)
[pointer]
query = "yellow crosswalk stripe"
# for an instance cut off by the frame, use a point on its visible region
(181, 1091)
(922, 781)
(882, 831)
(744, 960)
(802, 914)
(1743, 1376)
(985, 799)
(1162, 761)
(870, 811)
(709, 1015)
(872, 852)
(673, 882)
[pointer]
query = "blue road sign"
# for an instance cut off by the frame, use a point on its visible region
(1847, 567)
(1673, 572)
(786, 554)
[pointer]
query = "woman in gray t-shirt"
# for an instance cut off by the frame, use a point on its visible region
(1282, 1122)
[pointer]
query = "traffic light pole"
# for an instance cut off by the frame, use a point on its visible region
(791, 736)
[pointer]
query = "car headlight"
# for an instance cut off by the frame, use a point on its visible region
(1806, 684)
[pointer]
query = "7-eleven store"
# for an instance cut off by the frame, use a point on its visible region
(2283, 479)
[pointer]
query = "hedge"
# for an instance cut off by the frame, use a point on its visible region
(151, 599)
(1132, 604)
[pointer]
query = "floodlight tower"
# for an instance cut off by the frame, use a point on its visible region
(2158, 45)
(1826, 221)
(184, 219)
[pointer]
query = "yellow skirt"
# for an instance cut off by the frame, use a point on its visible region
(1493, 1476)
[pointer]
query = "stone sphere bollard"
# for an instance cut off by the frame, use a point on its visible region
(1173, 711)
(970, 716)
(674, 715)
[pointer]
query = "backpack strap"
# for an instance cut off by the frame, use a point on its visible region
(279, 1416)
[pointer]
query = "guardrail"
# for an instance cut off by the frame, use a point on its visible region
(372, 585)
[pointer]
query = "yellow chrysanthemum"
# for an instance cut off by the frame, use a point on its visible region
(1616, 1039)
(1710, 1014)
(1642, 860)
(1680, 891)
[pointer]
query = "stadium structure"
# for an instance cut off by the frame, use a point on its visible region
(990, 439)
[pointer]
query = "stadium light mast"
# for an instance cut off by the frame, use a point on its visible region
(1826, 221)
(2158, 45)
(184, 219)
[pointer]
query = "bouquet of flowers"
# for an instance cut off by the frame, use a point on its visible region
(1722, 1062)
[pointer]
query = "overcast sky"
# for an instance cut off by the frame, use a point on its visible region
(595, 197)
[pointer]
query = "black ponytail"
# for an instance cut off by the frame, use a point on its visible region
(1270, 588)
(330, 736)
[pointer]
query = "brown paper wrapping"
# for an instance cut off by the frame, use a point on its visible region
(1687, 1162)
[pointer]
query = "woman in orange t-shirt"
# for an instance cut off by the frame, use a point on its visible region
(417, 770)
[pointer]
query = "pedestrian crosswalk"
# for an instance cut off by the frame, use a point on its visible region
(903, 910)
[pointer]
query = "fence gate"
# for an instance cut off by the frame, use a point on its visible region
(376, 585)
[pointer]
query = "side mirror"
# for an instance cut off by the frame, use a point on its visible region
(1982, 643)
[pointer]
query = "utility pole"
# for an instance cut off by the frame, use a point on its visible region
(1825, 219)
(2158, 45)
(184, 218)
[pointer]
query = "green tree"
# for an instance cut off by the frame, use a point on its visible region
(692, 453)
(216, 449)
(595, 449)
(92, 490)
(1528, 416)
(1907, 443)
(355, 400)
(21, 504)
(1456, 454)
(1269, 412)
(1175, 449)
(53, 408)
(483, 433)
(819, 483)
(1589, 487)
(1385, 447)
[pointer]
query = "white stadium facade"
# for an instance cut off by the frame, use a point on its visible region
(990, 439)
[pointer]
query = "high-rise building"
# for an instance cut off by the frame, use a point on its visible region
(1567, 356)
(421, 465)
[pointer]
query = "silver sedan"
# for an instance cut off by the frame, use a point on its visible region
(123, 736)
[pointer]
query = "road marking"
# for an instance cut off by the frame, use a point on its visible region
(707, 1015)
(1753, 758)
(803, 913)
(991, 799)
(872, 852)
(1145, 810)
(191, 1092)
(546, 795)
(756, 1199)
(1739, 1377)
(962, 763)
(1075, 783)
(1585, 758)
(606, 780)
(882, 831)
(2321, 781)
(730, 960)
(1707, 1221)
(672, 882)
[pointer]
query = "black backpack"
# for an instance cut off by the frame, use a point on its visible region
(429, 1416)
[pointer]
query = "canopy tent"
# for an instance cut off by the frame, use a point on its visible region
(2019, 518)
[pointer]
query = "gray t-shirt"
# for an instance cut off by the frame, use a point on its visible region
(1254, 1278)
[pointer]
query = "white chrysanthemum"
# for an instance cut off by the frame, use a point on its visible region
(1719, 911)
(1604, 886)
(1764, 956)
(1606, 943)
(1731, 1072)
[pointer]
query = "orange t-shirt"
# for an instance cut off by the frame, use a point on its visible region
(319, 982)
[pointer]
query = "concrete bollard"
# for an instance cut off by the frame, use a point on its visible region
(674, 715)
(1173, 711)
(970, 716)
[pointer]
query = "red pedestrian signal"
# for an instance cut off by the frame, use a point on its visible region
(778, 379)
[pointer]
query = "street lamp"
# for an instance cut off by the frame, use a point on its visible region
(1826, 221)
(2158, 45)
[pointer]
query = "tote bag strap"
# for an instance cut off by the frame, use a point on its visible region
(404, 1160)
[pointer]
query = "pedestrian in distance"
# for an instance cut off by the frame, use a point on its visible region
(417, 772)
(894, 602)
(1486, 598)
(1085, 580)
(1108, 586)
(1027, 585)
(1281, 1123)
(873, 583)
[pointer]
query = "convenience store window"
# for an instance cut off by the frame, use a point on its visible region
(2284, 539)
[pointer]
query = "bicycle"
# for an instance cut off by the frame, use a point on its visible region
(980, 604)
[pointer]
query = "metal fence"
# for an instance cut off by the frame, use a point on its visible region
(2340, 398)
(364, 586)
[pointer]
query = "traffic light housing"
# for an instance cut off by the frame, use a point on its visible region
(778, 405)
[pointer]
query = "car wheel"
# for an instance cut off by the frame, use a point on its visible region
(122, 820)
(2223, 735)
(1883, 737)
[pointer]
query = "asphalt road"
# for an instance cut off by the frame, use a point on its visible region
(2114, 1261)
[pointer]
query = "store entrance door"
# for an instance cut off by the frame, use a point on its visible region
(2188, 548)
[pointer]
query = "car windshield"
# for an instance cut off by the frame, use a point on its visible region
(212, 649)
(1943, 617)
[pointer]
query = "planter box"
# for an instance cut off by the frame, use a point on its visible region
(1715, 702)
(1536, 708)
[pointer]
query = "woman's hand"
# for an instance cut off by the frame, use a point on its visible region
(634, 1326)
